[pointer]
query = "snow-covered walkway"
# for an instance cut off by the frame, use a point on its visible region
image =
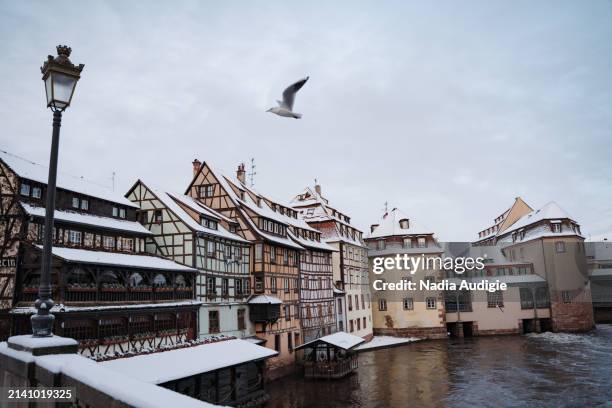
(385, 341)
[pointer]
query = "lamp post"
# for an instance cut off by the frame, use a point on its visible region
(60, 76)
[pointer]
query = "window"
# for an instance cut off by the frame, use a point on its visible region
(407, 243)
(36, 192)
(25, 189)
(340, 325)
(108, 242)
(290, 341)
(126, 244)
(158, 216)
(287, 311)
(258, 252)
(350, 302)
(238, 283)
(382, 304)
(556, 227)
(207, 190)
(213, 321)
(421, 242)
(351, 325)
(273, 285)
(273, 254)
(285, 257)
(526, 298)
(364, 323)
(381, 245)
(542, 300)
(277, 342)
(358, 324)
(356, 302)
(159, 280)
(430, 302)
(241, 320)
(75, 202)
(225, 287)
(228, 252)
(115, 212)
(210, 249)
(143, 217)
(84, 205)
(259, 287)
(121, 213)
(211, 288)
(74, 237)
(566, 296)
(339, 306)
(495, 299)
(560, 247)
(238, 253)
(286, 285)
(408, 303)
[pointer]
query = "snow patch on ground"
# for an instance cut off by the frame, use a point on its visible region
(386, 341)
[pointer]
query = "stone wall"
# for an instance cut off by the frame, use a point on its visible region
(572, 317)
(420, 332)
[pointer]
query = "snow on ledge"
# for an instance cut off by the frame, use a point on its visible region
(30, 342)
(386, 341)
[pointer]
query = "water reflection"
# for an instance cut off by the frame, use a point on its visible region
(546, 370)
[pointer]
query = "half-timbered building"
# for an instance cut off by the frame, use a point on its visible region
(274, 303)
(109, 295)
(350, 262)
(187, 232)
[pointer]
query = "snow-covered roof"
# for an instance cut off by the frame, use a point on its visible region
(311, 243)
(197, 206)
(264, 300)
(168, 200)
(159, 368)
(390, 226)
(117, 259)
(551, 211)
(60, 308)
(37, 172)
(341, 340)
(88, 219)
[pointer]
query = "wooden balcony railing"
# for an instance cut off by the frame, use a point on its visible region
(331, 369)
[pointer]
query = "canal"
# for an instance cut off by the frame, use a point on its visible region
(537, 370)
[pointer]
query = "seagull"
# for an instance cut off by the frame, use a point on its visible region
(285, 107)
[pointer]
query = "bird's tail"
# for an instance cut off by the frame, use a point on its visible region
(297, 115)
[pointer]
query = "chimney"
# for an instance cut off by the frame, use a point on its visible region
(241, 174)
(318, 189)
(196, 166)
(373, 227)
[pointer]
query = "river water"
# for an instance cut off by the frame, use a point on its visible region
(536, 370)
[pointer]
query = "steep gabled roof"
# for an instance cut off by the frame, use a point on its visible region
(390, 226)
(550, 211)
(37, 172)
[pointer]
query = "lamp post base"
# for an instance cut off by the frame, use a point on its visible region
(42, 325)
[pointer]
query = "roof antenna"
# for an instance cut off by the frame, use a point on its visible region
(252, 173)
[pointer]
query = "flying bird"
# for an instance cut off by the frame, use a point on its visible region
(285, 107)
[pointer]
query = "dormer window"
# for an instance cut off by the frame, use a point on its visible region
(381, 245)
(407, 243)
(208, 223)
(25, 189)
(84, 205)
(556, 227)
(36, 192)
(310, 211)
(75, 202)
(422, 242)
(404, 224)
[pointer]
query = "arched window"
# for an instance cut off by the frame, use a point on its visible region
(136, 280)
(79, 276)
(159, 280)
(180, 281)
(110, 278)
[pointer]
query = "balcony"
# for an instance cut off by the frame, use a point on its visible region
(264, 313)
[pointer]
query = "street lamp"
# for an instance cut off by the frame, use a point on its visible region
(60, 76)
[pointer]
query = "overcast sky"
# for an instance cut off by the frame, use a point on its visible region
(446, 110)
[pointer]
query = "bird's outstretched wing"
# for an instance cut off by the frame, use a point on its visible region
(289, 93)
